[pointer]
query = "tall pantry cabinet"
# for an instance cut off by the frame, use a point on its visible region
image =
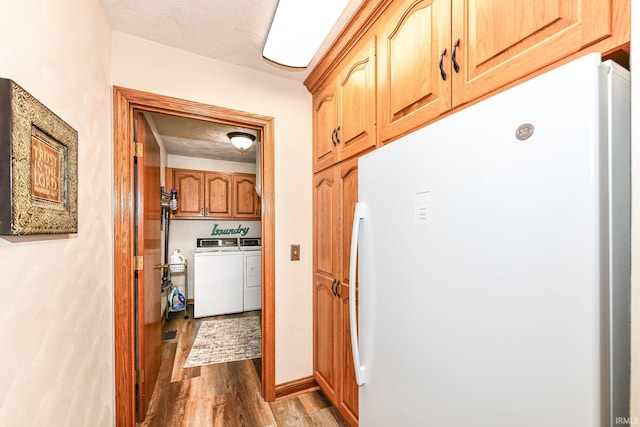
(334, 197)
(344, 118)
(398, 66)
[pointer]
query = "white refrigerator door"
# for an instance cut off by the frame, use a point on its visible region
(481, 263)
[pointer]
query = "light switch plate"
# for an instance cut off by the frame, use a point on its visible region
(295, 252)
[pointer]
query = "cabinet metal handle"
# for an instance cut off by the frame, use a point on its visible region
(206, 211)
(456, 67)
(333, 137)
(338, 289)
(338, 135)
(333, 287)
(201, 211)
(442, 73)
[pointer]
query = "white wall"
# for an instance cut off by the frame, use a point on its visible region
(56, 315)
(151, 67)
(184, 162)
(635, 218)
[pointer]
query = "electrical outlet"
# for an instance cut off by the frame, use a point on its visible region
(295, 252)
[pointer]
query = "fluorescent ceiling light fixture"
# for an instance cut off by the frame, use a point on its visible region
(241, 140)
(298, 29)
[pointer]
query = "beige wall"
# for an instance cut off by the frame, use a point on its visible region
(56, 316)
(147, 66)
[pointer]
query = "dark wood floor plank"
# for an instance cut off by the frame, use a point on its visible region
(314, 401)
(328, 417)
(247, 387)
(291, 413)
(186, 336)
(224, 394)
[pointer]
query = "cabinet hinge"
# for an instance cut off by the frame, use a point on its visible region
(139, 376)
(138, 262)
(137, 149)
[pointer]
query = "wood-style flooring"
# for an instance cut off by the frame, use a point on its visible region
(225, 394)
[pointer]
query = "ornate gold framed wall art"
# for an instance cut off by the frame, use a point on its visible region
(38, 166)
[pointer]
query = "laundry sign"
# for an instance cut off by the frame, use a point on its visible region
(239, 230)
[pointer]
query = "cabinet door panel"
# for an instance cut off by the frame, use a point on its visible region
(348, 395)
(348, 180)
(412, 90)
(245, 203)
(218, 195)
(190, 186)
(325, 337)
(325, 304)
(325, 223)
(503, 40)
(324, 126)
(357, 102)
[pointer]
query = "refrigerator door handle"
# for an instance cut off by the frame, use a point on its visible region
(360, 371)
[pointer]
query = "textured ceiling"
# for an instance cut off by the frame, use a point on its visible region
(232, 31)
(197, 138)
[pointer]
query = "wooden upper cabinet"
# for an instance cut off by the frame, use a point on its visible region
(412, 89)
(218, 195)
(502, 41)
(190, 186)
(344, 109)
(324, 127)
(215, 195)
(356, 130)
(246, 203)
(433, 56)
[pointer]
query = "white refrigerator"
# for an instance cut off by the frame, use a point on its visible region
(493, 253)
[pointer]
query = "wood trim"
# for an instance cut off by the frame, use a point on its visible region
(268, 216)
(125, 101)
(123, 262)
(295, 387)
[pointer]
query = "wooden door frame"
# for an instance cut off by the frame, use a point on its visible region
(124, 102)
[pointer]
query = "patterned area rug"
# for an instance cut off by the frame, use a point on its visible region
(226, 340)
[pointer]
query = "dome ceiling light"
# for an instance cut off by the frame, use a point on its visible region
(241, 140)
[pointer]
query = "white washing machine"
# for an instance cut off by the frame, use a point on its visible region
(218, 277)
(252, 250)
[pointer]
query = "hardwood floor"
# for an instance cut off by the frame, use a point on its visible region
(225, 394)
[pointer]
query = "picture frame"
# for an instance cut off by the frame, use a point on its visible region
(38, 167)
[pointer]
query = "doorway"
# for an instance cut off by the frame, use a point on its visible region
(125, 101)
